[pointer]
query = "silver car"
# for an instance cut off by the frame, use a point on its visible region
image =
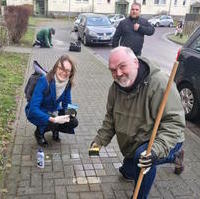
(163, 20)
(116, 18)
(95, 29)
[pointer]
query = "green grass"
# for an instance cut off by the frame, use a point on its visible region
(177, 39)
(27, 39)
(12, 68)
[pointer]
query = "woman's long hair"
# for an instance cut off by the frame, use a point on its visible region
(60, 61)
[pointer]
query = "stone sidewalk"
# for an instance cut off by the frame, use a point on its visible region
(69, 172)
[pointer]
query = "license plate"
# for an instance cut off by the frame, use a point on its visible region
(105, 38)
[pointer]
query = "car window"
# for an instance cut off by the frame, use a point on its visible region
(196, 44)
(98, 21)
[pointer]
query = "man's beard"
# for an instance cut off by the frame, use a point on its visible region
(124, 81)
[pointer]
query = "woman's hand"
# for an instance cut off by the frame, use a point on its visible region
(60, 119)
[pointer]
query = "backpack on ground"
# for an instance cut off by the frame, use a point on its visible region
(29, 88)
(74, 45)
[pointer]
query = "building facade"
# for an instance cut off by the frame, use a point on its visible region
(73, 7)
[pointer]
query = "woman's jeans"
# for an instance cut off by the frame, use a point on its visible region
(132, 170)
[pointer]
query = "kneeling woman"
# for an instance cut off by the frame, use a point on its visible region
(51, 97)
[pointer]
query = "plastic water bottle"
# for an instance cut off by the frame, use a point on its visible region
(40, 158)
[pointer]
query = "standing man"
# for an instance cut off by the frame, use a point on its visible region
(44, 38)
(132, 106)
(130, 31)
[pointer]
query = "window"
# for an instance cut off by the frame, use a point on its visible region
(159, 1)
(175, 2)
(196, 44)
(184, 2)
(143, 2)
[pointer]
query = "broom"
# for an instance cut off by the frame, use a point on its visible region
(157, 122)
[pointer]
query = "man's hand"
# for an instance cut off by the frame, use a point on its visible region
(136, 26)
(94, 149)
(146, 161)
(62, 119)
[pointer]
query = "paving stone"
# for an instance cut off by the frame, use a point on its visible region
(78, 167)
(95, 187)
(93, 195)
(66, 181)
(60, 192)
(53, 175)
(69, 171)
(80, 173)
(73, 196)
(36, 179)
(48, 186)
(88, 166)
(100, 172)
(98, 166)
(77, 188)
(90, 173)
(93, 180)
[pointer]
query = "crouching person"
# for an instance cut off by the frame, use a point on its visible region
(48, 107)
(132, 106)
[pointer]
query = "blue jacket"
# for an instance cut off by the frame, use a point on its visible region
(43, 103)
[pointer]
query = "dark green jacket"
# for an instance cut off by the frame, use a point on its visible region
(131, 116)
(44, 36)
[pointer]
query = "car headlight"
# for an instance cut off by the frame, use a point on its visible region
(92, 33)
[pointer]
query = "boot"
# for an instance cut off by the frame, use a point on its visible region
(179, 167)
(55, 136)
(40, 138)
(34, 44)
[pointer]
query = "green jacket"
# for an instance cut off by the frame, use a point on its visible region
(131, 116)
(45, 37)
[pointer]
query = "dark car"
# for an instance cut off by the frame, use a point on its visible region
(188, 76)
(95, 29)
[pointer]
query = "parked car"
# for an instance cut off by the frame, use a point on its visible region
(77, 21)
(116, 18)
(163, 20)
(188, 76)
(95, 29)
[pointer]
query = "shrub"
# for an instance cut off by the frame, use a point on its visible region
(3, 36)
(29, 7)
(16, 19)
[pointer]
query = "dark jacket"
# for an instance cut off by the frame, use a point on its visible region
(126, 36)
(131, 115)
(40, 107)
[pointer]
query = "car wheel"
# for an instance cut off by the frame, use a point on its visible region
(85, 40)
(190, 100)
(157, 24)
(171, 25)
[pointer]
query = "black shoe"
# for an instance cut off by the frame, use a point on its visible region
(40, 138)
(125, 176)
(55, 136)
(179, 167)
(34, 44)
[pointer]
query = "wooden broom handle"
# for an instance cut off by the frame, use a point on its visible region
(157, 122)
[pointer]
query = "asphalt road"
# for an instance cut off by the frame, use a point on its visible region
(157, 48)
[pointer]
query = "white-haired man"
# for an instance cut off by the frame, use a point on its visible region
(132, 106)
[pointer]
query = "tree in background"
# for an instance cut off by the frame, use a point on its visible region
(16, 19)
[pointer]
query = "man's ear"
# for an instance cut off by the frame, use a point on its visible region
(136, 62)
